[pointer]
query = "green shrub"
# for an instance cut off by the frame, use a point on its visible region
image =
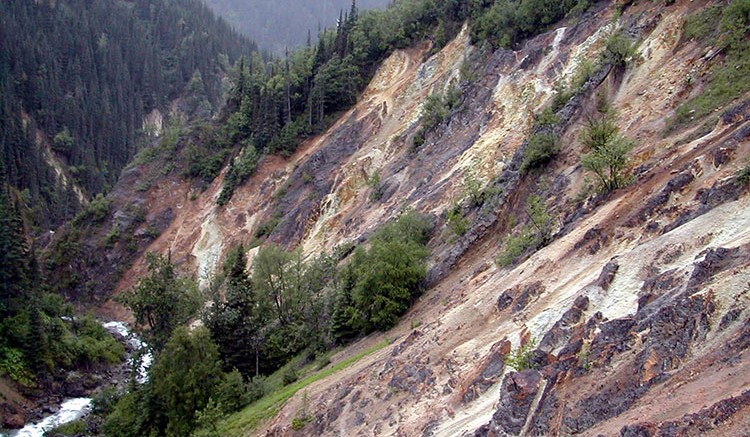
(520, 359)
(533, 236)
(240, 169)
(702, 24)
(472, 189)
(456, 220)
(105, 400)
(542, 148)
(96, 211)
(608, 150)
(515, 246)
(75, 427)
(289, 376)
(743, 175)
(112, 237)
(63, 142)
(438, 107)
(373, 181)
(419, 139)
(547, 118)
(730, 77)
(14, 365)
(266, 228)
(620, 50)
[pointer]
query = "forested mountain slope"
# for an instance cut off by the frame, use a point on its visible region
(449, 218)
(563, 295)
(78, 80)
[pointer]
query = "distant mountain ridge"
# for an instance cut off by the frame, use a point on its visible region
(276, 25)
(77, 80)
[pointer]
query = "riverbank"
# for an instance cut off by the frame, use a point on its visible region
(28, 412)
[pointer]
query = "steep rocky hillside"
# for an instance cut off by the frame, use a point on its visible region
(635, 311)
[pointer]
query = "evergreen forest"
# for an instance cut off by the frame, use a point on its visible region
(77, 79)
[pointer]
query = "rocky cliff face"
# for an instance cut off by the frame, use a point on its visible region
(636, 309)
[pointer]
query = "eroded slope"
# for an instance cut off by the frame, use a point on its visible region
(637, 306)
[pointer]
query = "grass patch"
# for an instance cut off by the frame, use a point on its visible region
(701, 25)
(268, 406)
(726, 27)
(72, 428)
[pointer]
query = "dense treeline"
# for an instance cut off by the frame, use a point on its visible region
(259, 321)
(86, 73)
(276, 104)
(40, 337)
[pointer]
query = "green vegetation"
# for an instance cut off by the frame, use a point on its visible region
(96, 211)
(87, 74)
(183, 381)
(457, 223)
(534, 235)
(586, 69)
(743, 175)
(41, 337)
(266, 228)
(267, 407)
(725, 27)
(608, 149)
(76, 427)
(377, 187)
(542, 148)
(161, 301)
(702, 24)
(507, 22)
(436, 109)
(472, 189)
(520, 359)
(619, 51)
(379, 284)
(165, 148)
(240, 169)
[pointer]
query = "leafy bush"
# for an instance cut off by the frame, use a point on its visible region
(515, 246)
(438, 107)
(542, 148)
(619, 50)
(507, 22)
(105, 400)
(239, 170)
(14, 365)
(536, 234)
(472, 189)
(266, 228)
(63, 142)
(161, 301)
(456, 220)
(520, 359)
(289, 376)
(379, 284)
(96, 211)
(608, 150)
(702, 24)
(373, 181)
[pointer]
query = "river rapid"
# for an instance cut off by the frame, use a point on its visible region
(75, 408)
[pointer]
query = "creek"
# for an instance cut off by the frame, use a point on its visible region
(75, 408)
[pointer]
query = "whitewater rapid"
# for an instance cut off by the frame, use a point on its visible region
(75, 408)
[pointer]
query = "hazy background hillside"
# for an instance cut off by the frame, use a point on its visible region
(78, 78)
(277, 24)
